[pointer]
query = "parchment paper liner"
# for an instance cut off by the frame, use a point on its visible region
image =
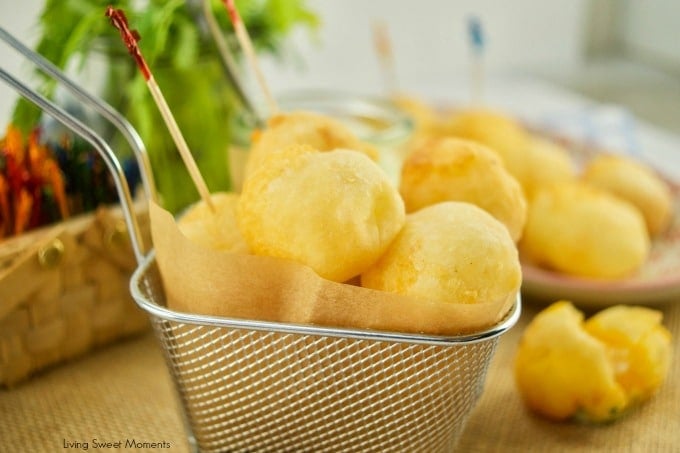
(204, 281)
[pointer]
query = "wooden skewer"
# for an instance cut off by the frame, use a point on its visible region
(383, 47)
(247, 46)
(226, 58)
(130, 38)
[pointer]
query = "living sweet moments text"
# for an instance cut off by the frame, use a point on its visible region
(106, 444)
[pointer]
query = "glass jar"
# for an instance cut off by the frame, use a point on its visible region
(375, 120)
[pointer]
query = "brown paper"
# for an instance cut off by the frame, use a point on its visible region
(204, 281)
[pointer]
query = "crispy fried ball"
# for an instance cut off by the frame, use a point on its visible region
(453, 252)
(547, 163)
(303, 128)
(584, 231)
(452, 169)
(635, 183)
(498, 131)
(219, 230)
(593, 370)
(334, 211)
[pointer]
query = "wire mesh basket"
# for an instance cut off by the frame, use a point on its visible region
(248, 385)
(261, 386)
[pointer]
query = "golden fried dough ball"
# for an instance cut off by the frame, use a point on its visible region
(452, 252)
(595, 370)
(497, 131)
(219, 230)
(581, 230)
(547, 163)
(303, 128)
(635, 183)
(334, 211)
(452, 169)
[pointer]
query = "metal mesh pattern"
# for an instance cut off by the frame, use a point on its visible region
(253, 390)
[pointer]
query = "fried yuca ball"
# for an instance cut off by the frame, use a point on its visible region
(334, 211)
(584, 231)
(547, 163)
(452, 169)
(593, 370)
(635, 183)
(303, 128)
(499, 132)
(218, 230)
(453, 252)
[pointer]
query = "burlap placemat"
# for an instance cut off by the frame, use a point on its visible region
(123, 394)
(119, 394)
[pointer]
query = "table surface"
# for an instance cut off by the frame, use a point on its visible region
(124, 392)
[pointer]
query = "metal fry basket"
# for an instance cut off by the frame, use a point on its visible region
(247, 385)
(255, 386)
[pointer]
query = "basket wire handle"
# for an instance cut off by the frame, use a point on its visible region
(104, 109)
(93, 139)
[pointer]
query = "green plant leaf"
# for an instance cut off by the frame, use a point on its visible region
(283, 15)
(187, 48)
(193, 82)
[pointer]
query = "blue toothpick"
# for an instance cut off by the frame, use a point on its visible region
(476, 35)
(477, 44)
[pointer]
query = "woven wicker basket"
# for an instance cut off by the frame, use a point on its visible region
(64, 292)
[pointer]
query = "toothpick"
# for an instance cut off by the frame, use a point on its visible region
(228, 61)
(130, 38)
(383, 47)
(247, 46)
(477, 43)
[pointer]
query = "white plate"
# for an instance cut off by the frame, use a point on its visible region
(657, 282)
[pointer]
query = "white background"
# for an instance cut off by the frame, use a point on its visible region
(428, 36)
(428, 39)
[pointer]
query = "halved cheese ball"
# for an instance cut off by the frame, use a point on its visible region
(453, 252)
(640, 347)
(334, 211)
(594, 370)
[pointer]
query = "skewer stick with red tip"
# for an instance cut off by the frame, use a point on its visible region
(130, 38)
(383, 47)
(247, 46)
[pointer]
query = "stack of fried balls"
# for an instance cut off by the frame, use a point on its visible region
(314, 194)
